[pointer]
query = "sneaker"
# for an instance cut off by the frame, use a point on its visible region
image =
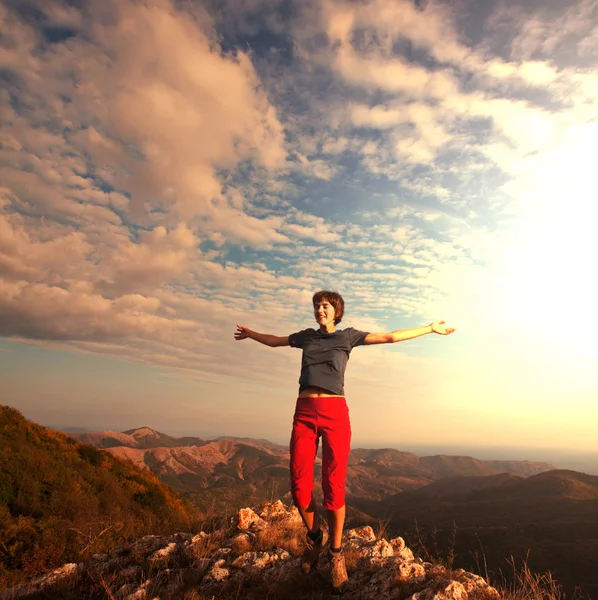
(311, 554)
(338, 571)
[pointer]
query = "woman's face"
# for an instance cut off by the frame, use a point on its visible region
(324, 313)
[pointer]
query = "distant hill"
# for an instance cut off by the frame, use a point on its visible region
(253, 441)
(551, 515)
(376, 473)
(226, 473)
(143, 437)
(62, 501)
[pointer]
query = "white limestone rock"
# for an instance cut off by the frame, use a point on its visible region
(140, 593)
(149, 544)
(163, 556)
(406, 569)
(247, 518)
(278, 512)
(375, 555)
(357, 537)
(400, 549)
(218, 572)
(452, 591)
(258, 561)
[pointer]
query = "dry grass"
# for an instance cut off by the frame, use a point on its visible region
(381, 529)
(352, 558)
(241, 544)
(427, 547)
(289, 536)
(523, 584)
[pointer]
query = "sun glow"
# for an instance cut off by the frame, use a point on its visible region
(549, 272)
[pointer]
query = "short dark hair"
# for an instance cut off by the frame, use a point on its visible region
(335, 299)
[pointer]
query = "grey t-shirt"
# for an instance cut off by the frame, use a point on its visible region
(325, 357)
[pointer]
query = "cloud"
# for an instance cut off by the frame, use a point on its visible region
(50, 312)
(135, 101)
(171, 170)
(546, 31)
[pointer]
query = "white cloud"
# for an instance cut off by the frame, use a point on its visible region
(159, 188)
(152, 122)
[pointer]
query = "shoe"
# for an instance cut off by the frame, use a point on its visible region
(338, 571)
(311, 554)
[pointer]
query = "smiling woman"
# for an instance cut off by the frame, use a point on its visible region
(322, 411)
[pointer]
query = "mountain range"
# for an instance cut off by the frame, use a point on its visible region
(226, 473)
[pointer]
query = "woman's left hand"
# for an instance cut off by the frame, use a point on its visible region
(439, 327)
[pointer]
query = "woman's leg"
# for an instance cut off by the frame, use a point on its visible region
(310, 516)
(336, 521)
(304, 446)
(336, 442)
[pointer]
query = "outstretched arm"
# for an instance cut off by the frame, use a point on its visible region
(273, 341)
(400, 335)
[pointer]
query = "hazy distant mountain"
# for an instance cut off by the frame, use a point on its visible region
(399, 471)
(253, 441)
(143, 437)
(70, 429)
(227, 472)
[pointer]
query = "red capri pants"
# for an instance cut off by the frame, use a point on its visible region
(326, 417)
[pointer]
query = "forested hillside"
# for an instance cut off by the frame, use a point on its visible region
(63, 501)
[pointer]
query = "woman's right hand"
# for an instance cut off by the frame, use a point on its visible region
(242, 332)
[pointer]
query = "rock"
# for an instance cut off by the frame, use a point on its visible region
(397, 544)
(475, 584)
(41, 583)
(68, 570)
(105, 565)
(163, 556)
(359, 536)
(196, 545)
(273, 511)
(277, 511)
(218, 572)
(400, 549)
(283, 569)
(375, 555)
(406, 569)
(140, 593)
(258, 561)
(246, 518)
(149, 543)
(380, 585)
(452, 591)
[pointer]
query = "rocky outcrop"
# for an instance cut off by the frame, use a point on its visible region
(258, 551)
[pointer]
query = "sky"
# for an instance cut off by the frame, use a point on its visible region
(170, 169)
